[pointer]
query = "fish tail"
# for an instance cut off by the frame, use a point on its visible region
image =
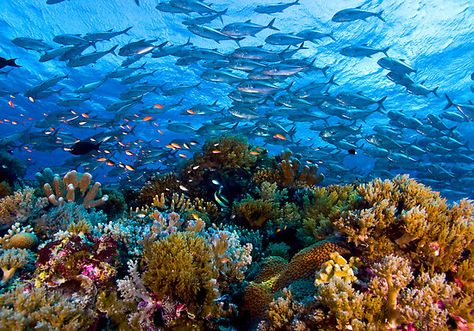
(112, 50)
(270, 25)
(450, 102)
(126, 30)
(385, 50)
(380, 102)
(330, 35)
(220, 13)
(379, 15)
(324, 70)
(435, 90)
(297, 2)
(12, 63)
(331, 81)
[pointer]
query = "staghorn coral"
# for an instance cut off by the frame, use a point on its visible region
(337, 266)
(20, 207)
(180, 267)
(19, 237)
(27, 308)
(288, 172)
(306, 262)
(159, 185)
(11, 260)
(404, 217)
(284, 314)
(74, 187)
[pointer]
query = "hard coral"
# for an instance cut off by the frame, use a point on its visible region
(41, 309)
(19, 237)
(404, 217)
(288, 172)
(306, 262)
(74, 187)
(20, 207)
(271, 266)
(257, 297)
(393, 300)
(11, 260)
(337, 266)
(159, 185)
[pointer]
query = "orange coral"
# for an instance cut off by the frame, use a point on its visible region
(306, 262)
(26, 240)
(257, 298)
(271, 267)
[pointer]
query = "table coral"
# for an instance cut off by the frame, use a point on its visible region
(306, 262)
(74, 187)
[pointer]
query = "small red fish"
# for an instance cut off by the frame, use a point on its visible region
(11, 104)
(157, 105)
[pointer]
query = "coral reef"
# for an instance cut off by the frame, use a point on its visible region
(20, 207)
(406, 218)
(11, 260)
(288, 172)
(19, 237)
(26, 308)
(306, 262)
(74, 187)
(159, 185)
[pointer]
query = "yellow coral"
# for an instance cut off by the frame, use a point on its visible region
(306, 262)
(11, 260)
(338, 266)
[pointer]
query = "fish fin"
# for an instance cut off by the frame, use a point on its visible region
(330, 35)
(385, 50)
(248, 21)
(435, 90)
(331, 81)
(112, 50)
(125, 31)
(324, 71)
(270, 25)
(297, 2)
(379, 15)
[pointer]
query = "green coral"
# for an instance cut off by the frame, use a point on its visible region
(180, 267)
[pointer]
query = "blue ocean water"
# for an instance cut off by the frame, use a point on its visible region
(436, 38)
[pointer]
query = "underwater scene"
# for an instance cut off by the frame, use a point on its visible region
(270, 165)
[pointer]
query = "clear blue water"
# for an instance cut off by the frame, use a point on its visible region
(436, 38)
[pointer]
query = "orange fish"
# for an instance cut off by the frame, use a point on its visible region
(157, 105)
(190, 111)
(182, 155)
(85, 115)
(147, 118)
(279, 136)
(110, 163)
(254, 153)
(216, 151)
(129, 153)
(102, 159)
(129, 167)
(11, 104)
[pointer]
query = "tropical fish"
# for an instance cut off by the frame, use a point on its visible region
(353, 14)
(276, 8)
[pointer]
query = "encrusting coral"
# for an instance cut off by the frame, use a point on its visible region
(306, 262)
(19, 237)
(74, 187)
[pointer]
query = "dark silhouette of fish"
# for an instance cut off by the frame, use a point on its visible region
(8, 63)
(84, 147)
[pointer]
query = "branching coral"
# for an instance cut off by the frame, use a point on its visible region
(74, 187)
(183, 205)
(41, 309)
(11, 260)
(392, 300)
(404, 217)
(20, 207)
(288, 172)
(19, 237)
